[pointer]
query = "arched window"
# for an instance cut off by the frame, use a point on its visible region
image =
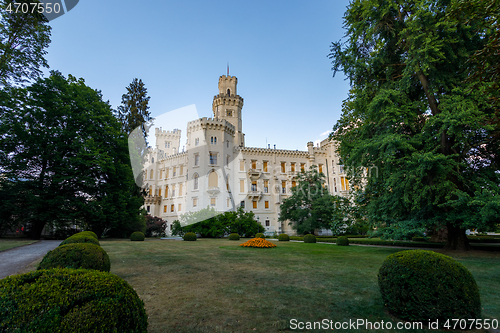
(151, 174)
(229, 92)
(195, 177)
(152, 159)
(215, 140)
(166, 191)
(212, 140)
(150, 190)
(213, 179)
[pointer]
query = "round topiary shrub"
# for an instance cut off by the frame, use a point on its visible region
(309, 238)
(70, 300)
(418, 285)
(80, 239)
(76, 255)
(342, 241)
(234, 236)
(88, 233)
(283, 238)
(137, 236)
(190, 236)
(260, 235)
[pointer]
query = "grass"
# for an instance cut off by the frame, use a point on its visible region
(6, 244)
(214, 285)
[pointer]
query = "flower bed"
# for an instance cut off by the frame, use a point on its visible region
(258, 242)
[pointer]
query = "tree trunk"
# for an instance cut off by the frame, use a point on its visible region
(36, 229)
(457, 239)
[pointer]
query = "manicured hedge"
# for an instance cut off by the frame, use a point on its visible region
(342, 241)
(283, 238)
(234, 236)
(77, 238)
(88, 233)
(190, 236)
(69, 300)
(483, 239)
(137, 236)
(418, 239)
(310, 238)
(419, 285)
(259, 235)
(76, 255)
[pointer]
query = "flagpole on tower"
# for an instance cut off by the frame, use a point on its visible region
(228, 69)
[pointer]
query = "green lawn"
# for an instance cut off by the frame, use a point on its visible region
(213, 285)
(6, 244)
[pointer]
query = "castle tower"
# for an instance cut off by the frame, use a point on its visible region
(228, 104)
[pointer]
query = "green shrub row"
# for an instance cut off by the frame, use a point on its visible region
(70, 300)
(81, 237)
(283, 238)
(234, 236)
(76, 255)
(483, 239)
(190, 236)
(137, 236)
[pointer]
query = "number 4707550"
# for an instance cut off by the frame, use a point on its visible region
(471, 324)
(31, 7)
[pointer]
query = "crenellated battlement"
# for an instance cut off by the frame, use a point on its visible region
(210, 123)
(175, 133)
(270, 151)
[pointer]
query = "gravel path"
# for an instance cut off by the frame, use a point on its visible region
(13, 260)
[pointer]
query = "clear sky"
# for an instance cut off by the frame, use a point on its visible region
(278, 50)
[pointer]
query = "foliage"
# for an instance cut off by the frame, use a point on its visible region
(65, 161)
(24, 38)
(133, 112)
(259, 243)
(283, 238)
(259, 235)
(309, 238)
(78, 238)
(234, 236)
(418, 239)
(88, 233)
(419, 116)
(137, 236)
(342, 241)
(310, 206)
(77, 255)
(155, 226)
(411, 280)
(209, 223)
(69, 300)
(190, 236)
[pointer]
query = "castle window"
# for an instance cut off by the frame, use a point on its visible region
(242, 186)
(267, 223)
(196, 141)
(227, 143)
(174, 172)
(166, 173)
(254, 204)
(228, 201)
(195, 202)
(229, 92)
(254, 164)
(227, 160)
(341, 168)
(180, 189)
(335, 184)
(264, 166)
(151, 174)
(172, 208)
(213, 140)
(212, 202)
(152, 159)
(302, 166)
(266, 205)
(254, 186)
(282, 167)
(294, 183)
(229, 113)
(166, 191)
(213, 158)
(242, 204)
(150, 190)
(333, 167)
(195, 181)
(266, 186)
(159, 192)
(179, 208)
(321, 168)
(196, 159)
(283, 186)
(292, 167)
(173, 190)
(167, 144)
(213, 179)
(242, 165)
(182, 170)
(148, 209)
(227, 183)
(165, 208)
(161, 172)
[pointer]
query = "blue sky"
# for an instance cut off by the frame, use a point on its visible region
(277, 49)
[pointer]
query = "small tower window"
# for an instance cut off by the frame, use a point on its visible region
(229, 92)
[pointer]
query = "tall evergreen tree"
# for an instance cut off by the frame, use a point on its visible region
(24, 38)
(133, 112)
(64, 160)
(419, 114)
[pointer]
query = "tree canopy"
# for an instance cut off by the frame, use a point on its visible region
(310, 206)
(421, 112)
(64, 160)
(134, 110)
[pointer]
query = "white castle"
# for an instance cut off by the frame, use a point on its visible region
(217, 170)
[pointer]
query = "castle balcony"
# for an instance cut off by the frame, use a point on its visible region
(254, 174)
(152, 199)
(254, 195)
(213, 190)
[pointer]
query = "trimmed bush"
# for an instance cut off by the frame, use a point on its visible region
(234, 236)
(342, 241)
(88, 233)
(70, 300)
(137, 236)
(259, 235)
(76, 255)
(190, 236)
(418, 285)
(309, 238)
(418, 239)
(80, 239)
(283, 238)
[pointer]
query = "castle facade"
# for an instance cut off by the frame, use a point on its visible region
(217, 170)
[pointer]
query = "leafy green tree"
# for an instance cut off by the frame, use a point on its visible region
(417, 112)
(64, 160)
(244, 223)
(310, 206)
(24, 38)
(134, 110)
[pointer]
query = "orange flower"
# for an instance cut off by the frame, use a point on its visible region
(258, 242)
